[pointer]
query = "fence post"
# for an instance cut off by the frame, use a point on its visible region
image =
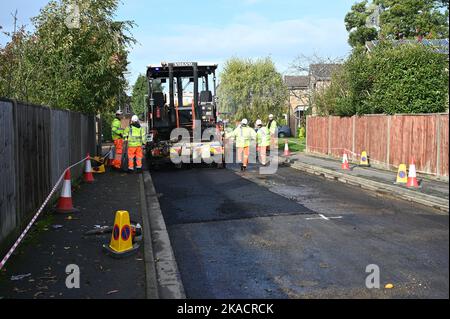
(353, 133)
(307, 133)
(17, 180)
(98, 119)
(388, 142)
(438, 146)
(329, 136)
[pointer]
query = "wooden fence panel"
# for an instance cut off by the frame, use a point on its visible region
(317, 134)
(60, 143)
(371, 134)
(341, 137)
(443, 145)
(32, 143)
(8, 218)
(388, 140)
(36, 145)
(414, 136)
(75, 142)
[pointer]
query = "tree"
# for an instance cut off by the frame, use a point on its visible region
(407, 78)
(355, 23)
(140, 93)
(406, 19)
(301, 66)
(79, 68)
(252, 89)
(398, 19)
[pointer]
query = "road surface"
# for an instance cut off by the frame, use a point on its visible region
(293, 235)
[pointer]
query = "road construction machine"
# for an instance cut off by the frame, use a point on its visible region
(182, 125)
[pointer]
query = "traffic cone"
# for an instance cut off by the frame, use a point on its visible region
(345, 165)
(402, 176)
(121, 244)
(412, 178)
(364, 159)
(88, 176)
(286, 149)
(111, 157)
(65, 204)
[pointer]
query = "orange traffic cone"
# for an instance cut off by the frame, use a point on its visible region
(65, 204)
(412, 178)
(88, 176)
(286, 149)
(345, 162)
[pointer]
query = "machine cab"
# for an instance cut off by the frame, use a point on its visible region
(187, 97)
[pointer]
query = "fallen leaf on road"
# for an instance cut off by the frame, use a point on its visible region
(389, 286)
(19, 290)
(112, 292)
(47, 278)
(19, 277)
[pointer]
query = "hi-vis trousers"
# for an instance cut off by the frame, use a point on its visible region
(245, 153)
(118, 144)
(132, 153)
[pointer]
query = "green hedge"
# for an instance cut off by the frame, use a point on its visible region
(391, 79)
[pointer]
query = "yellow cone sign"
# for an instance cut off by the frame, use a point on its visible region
(99, 170)
(402, 176)
(121, 240)
(364, 159)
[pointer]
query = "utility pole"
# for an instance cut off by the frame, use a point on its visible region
(11, 63)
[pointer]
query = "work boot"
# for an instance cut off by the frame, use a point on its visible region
(130, 171)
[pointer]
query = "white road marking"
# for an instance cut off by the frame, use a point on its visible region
(323, 217)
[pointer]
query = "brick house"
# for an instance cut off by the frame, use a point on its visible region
(301, 92)
(299, 100)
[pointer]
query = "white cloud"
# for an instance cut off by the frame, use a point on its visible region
(249, 35)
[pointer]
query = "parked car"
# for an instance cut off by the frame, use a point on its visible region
(284, 131)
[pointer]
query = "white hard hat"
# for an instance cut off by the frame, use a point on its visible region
(119, 112)
(244, 122)
(271, 116)
(258, 122)
(135, 119)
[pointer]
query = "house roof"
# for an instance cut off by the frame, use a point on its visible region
(323, 70)
(296, 81)
(438, 45)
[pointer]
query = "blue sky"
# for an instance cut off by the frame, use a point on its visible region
(213, 31)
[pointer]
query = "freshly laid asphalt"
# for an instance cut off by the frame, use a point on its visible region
(244, 235)
(47, 251)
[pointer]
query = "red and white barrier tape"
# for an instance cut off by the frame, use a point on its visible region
(22, 236)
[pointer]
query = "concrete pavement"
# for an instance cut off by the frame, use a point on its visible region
(47, 251)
